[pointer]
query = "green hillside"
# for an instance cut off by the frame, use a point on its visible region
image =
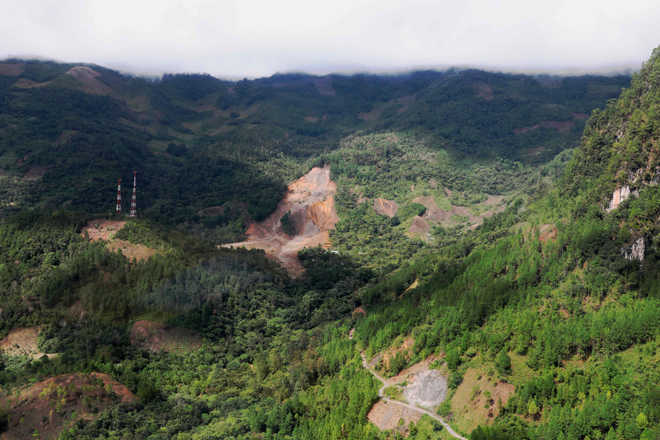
(475, 236)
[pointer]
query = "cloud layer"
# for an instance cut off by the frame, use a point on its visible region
(260, 37)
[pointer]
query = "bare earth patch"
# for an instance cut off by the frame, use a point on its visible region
(157, 336)
(419, 226)
(130, 250)
(12, 69)
(66, 135)
(324, 86)
(581, 116)
(310, 202)
(535, 151)
(49, 406)
(106, 230)
(426, 388)
(386, 416)
(22, 342)
(560, 126)
(414, 369)
(24, 83)
(404, 102)
(427, 201)
(548, 232)
(102, 229)
(484, 91)
(34, 173)
(386, 207)
(87, 77)
(470, 398)
(311, 119)
(372, 115)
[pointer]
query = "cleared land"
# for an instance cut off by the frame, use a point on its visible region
(156, 336)
(311, 207)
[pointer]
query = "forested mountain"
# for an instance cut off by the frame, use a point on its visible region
(489, 233)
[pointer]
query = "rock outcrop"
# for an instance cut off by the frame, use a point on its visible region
(311, 206)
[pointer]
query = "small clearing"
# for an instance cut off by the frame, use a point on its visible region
(311, 205)
(419, 226)
(22, 342)
(102, 229)
(427, 201)
(548, 232)
(57, 403)
(12, 69)
(581, 116)
(386, 207)
(419, 367)
(250, 110)
(87, 77)
(426, 388)
(404, 102)
(106, 229)
(470, 398)
(24, 83)
(324, 86)
(156, 336)
(560, 126)
(433, 183)
(65, 136)
(311, 119)
(223, 129)
(373, 114)
(535, 151)
(35, 173)
(386, 415)
(483, 91)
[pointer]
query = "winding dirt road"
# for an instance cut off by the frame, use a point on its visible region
(414, 408)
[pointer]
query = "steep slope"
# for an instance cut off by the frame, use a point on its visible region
(307, 211)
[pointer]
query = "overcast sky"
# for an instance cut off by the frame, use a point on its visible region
(237, 38)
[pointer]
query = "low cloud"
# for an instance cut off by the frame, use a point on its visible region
(258, 38)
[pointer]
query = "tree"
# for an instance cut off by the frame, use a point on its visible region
(503, 363)
(642, 421)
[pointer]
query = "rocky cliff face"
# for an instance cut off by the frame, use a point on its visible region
(310, 204)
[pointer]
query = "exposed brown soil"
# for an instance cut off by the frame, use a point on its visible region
(13, 69)
(24, 83)
(324, 86)
(36, 408)
(427, 201)
(250, 110)
(157, 336)
(66, 135)
(448, 192)
(88, 77)
(419, 226)
(35, 173)
(105, 231)
(535, 151)
(492, 200)
(548, 232)
(130, 250)
(484, 91)
(404, 102)
(433, 183)
(386, 416)
(581, 116)
(310, 202)
(386, 207)
(414, 285)
(223, 129)
(22, 341)
(417, 368)
(372, 115)
(311, 119)
(560, 126)
(468, 408)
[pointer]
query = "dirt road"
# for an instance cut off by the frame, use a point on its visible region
(394, 402)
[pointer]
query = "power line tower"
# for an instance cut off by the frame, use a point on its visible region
(119, 197)
(134, 200)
